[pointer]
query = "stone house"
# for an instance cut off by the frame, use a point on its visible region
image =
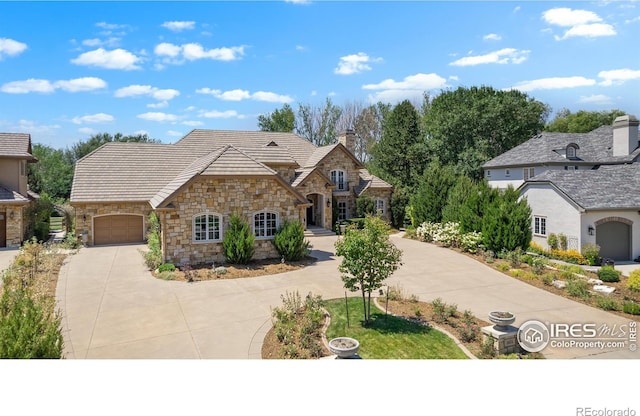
(583, 185)
(15, 197)
(197, 183)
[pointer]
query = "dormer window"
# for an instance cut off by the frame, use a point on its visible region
(571, 151)
(339, 178)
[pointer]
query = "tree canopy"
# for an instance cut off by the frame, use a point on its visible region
(282, 120)
(582, 121)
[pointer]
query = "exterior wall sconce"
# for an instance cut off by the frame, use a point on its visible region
(591, 230)
(84, 217)
(328, 203)
(11, 215)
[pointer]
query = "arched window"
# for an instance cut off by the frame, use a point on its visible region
(339, 178)
(571, 150)
(265, 224)
(207, 227)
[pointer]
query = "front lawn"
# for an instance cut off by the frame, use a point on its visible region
(388, 337)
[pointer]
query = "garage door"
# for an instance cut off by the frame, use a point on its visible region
(614, 239)
(118, 229)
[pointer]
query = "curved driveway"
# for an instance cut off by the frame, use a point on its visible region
(113, 308)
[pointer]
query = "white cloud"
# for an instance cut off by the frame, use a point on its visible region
(179, 26)
(220, 114)
(30, 126)
(492, 36)
(618, 76)
(239, 95)
(93, 119)
(635, 19)
(596, 99)
(192, 123)
(177, 54)
(301, 48)
(81, 84)
(174, 133)
(410, 87)
(11, 47)
(554, 83)
(157, 116)
(114, 59)
(30, 85)
(298, 1)
(453, 77)
(503, 56)
(112, 41)
(354, 64)
(87, 130)
(580, 23)
(110, 26)
(147, 90)
(161, 104)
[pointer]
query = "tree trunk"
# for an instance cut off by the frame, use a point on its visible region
(364, 307)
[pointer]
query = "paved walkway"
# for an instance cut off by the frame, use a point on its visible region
(114, 308)
(6, 258)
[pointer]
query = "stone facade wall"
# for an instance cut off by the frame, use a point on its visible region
(85, 213)
(315, 185)
(338, 160)
(223, 196)
(15, 226)
(288, 173)
(383, 194)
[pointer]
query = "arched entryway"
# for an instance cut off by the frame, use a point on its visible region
(613, 235)
(315, 213)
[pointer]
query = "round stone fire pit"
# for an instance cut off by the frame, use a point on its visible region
(501, 319)
(344, 347)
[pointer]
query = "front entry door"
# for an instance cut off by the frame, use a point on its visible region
(3, 229)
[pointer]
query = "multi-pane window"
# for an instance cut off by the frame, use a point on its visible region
(342, 210)
(338, 177)
(380, 206)
(265, 224)
(539, 225)
(528, 173)
(206, 227)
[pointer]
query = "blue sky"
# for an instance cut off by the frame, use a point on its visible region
(72, 69)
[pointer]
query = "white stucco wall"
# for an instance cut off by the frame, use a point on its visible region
(562, 216)
(589, 219)
(500, 179)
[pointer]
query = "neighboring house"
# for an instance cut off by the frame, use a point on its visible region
(15, 197)
(585, 186)
(196, 184)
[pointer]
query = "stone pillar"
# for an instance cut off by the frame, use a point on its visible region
(505, 339)
(348, 139)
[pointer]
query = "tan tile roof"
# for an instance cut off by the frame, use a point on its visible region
(16, 145)
(367, 180)
(303, 174)
(324, 151)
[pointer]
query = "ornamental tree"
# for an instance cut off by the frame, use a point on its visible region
(369, 257)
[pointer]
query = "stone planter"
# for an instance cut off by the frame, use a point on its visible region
(343, 229)
(501, 320)
(344, 347)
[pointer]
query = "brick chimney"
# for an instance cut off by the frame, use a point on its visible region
(348, 139)
(625, 135)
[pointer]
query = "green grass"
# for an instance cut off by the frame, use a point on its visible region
(388, 337)
(55, 223)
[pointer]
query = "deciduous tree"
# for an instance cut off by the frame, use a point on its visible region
(582, 121)
(283, 120)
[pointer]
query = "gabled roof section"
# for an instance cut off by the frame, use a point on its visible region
(11, 197)
(16, 145)
(367, 181)
(303, 174)
(596, 147)
(271, 155)
(608, 187)
(201, 141)
(322, 152)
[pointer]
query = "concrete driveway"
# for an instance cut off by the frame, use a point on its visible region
(114, 308)
(6, 258)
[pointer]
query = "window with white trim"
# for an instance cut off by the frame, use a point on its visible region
(265, 224)
(339, 178)
(528, 173)
(379, 206)
(539, 225)
(342, 210)
(207, 227)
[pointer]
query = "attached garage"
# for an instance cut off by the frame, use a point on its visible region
(614, 239)
(118, 229)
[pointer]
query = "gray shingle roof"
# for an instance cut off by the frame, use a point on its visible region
(608, 187)
(8, 197)
(16, 145)
(594, 147)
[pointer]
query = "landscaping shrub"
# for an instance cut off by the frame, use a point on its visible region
(365, 205)
(536, 248)
(290, 242)
(562, 242)
(609, 274)
(358, 222)
(153, 256)
(552, 241)
(166, 267)
(468, 332)
(548, 278)
(238, 241)
(591, 252)
(570, 256)
(606, 303)
(538, 265)
(470, 242)
(631, 308)
(578, 288)
(633, 282)
(297, 324)
(514, 257)
(503, 267)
